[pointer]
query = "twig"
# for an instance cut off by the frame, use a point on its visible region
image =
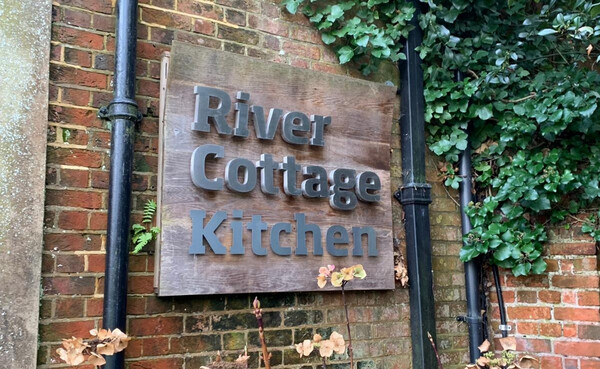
(437, 356)
(324, 362)
(261, 332)
(350, 353)
(530, 96)
(472, 73)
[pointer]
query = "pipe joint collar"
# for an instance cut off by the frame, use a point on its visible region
(414, 193)
(120, 109)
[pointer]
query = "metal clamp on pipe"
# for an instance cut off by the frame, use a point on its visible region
(414, 193)
(120, 108)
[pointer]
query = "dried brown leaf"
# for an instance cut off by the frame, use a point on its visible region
(508, 343)
(485, 346)
(527, 362)
(483, 361)
(96, 359)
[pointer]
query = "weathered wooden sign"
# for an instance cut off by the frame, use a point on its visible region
(269, 172)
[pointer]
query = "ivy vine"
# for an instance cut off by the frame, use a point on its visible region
(528, 97)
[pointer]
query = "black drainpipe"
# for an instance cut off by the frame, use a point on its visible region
(473, 267)
(415, 197)
(123, 113)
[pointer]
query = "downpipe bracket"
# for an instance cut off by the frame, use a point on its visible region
(120, 109)
(414, 193)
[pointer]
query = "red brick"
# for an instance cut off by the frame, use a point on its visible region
(569, 330)
(79, 77)
(590, 364)
(534, 345)
(150, 51)
(528, 328)
(64, 114)
(81, 199)
(268, 25)
(306, 34)
(533, 312)
(69, 285)
(141, 284)
(577, 314)
(64, 242)
(313, 52)
(134, 349)
(155, 346)
(552, 297)
(58, 331)
(104, 23)
(76, 220)
(550, 329)
(79, 157)
(591, 298)
(69, 308)
(78, 57)
(96, 263)
(149, 88)
(48, 263)
(583, 248)
(94, 307)
(576, 348)
(137, 263)
(527, 296)
(98, 221)
(550, 362)
(69, 263)
(529, 281)
(203, 9)
(75, 96)
(204, 26)
(73, 178)
(168, 363)
(586, 264)
(155, 326)
(575, 281)
(589, 332)
(165, 18)
(136, 305)
(101, 6)
(78, 37)
(76, 18)
(568, 297)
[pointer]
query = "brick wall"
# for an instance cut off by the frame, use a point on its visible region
(556, 316)
(187, 332)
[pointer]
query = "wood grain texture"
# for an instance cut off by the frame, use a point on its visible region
(358, 138)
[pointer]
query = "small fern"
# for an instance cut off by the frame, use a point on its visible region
(141, 235)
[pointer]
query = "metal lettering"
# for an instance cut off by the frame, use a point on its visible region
(366, 182)
(237, 246)
(257, 226)
(275, 235)
(241, 114)
(332, 240)
(198, 167)
(201, 233)
(232, 180)
(343, 180)
(316, 186)
(357, 233)
(301, 229)
(265, 130)
(204, 113)
(318, 125)
(267, 165)
(290, 168)
(289, 127)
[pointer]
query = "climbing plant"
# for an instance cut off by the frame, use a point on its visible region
(518, 81)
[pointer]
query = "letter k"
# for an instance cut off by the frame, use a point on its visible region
(201, 233)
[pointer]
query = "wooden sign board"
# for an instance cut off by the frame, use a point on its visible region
(257, 159)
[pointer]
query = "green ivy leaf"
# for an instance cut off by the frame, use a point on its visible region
(327, 38)
(345, 54)
(484, 112)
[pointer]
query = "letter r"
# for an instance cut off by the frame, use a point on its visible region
(204, 113)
